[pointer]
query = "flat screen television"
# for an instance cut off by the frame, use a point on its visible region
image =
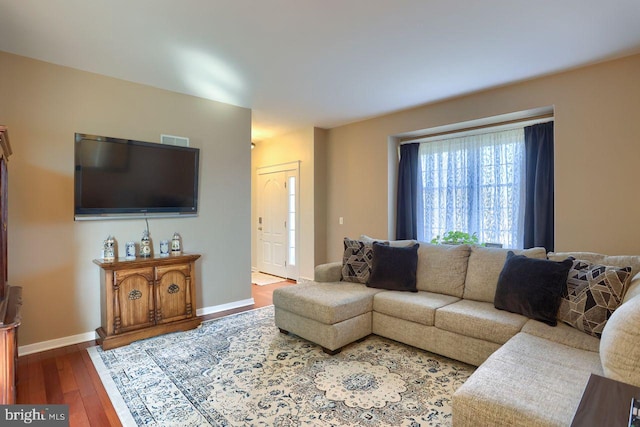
(122, 178)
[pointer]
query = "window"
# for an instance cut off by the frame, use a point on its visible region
(291, 211)
(473, 184)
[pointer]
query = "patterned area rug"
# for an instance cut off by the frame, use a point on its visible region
(240, 371)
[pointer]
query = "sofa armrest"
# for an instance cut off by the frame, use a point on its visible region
(331, 272)
(619, 350)
(633, 289)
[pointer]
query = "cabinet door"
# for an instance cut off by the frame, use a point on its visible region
(173, 293)
(133, 299)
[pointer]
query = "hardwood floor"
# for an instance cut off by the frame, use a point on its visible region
(66, 375)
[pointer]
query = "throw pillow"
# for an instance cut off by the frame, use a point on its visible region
(592, 294)
(356, 261)
(532, 287)
(394, 268)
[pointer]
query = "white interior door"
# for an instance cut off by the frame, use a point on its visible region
(272, 223)
(278, 221)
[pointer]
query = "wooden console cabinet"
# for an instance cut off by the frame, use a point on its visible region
(146, 297)
(9, 321)
(10, 296)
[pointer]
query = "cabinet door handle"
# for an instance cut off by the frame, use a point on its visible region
(135, 294)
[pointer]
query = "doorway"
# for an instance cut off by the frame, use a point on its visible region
(277, 222)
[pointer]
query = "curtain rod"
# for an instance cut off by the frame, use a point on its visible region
(533, 119)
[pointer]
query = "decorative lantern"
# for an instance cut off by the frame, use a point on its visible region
(176, 245)
(164, 248)
(130, 250)
(145, 245)
(109, 249)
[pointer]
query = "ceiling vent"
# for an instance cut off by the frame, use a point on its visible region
(180, 141)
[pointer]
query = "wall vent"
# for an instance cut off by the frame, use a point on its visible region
(180, 141)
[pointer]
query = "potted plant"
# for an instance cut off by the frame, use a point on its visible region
(456, 238)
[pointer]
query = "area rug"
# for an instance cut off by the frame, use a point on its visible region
(262, 279)
(240, 370)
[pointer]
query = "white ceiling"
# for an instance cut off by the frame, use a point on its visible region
(324, 63)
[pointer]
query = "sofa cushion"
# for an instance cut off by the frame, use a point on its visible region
(562, 334)
(592, 294)
(419, 308)
(616, 260)
(485, 265)
(619, 349)
(632, 261)
(394, 268)
(529, 381)
(327, 303)
(479, 319)
(395, 243)
(356, 261)
(442, 268)
(532, 287)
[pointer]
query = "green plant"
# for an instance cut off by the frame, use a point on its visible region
(456, 238)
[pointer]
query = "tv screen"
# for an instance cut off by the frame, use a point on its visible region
(124, 178)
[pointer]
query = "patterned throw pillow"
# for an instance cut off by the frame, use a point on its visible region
(593, 293)
(357, 260)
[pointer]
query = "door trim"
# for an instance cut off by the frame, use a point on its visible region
(280, 167)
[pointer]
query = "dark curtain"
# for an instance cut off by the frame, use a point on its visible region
(406, 219)
(538, 215)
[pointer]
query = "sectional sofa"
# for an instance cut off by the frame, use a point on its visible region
(529, 373)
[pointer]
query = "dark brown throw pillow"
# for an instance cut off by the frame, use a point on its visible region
(394, 268)
(532, 287)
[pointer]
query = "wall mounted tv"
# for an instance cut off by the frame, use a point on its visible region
(122, 178)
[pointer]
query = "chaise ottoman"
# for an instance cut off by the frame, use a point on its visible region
(331, 314)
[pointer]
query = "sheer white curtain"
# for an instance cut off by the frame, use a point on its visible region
(473, 184)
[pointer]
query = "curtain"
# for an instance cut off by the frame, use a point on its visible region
(407, 192)
(538, 218)
(473, 184)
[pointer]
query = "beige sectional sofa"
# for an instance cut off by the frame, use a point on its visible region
(529, 373)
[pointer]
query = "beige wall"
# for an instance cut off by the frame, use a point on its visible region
(294, 146)
(320, 195)
(50, 255)
(597, 148)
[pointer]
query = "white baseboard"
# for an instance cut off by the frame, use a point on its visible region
(24, 350)
(223, 307)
